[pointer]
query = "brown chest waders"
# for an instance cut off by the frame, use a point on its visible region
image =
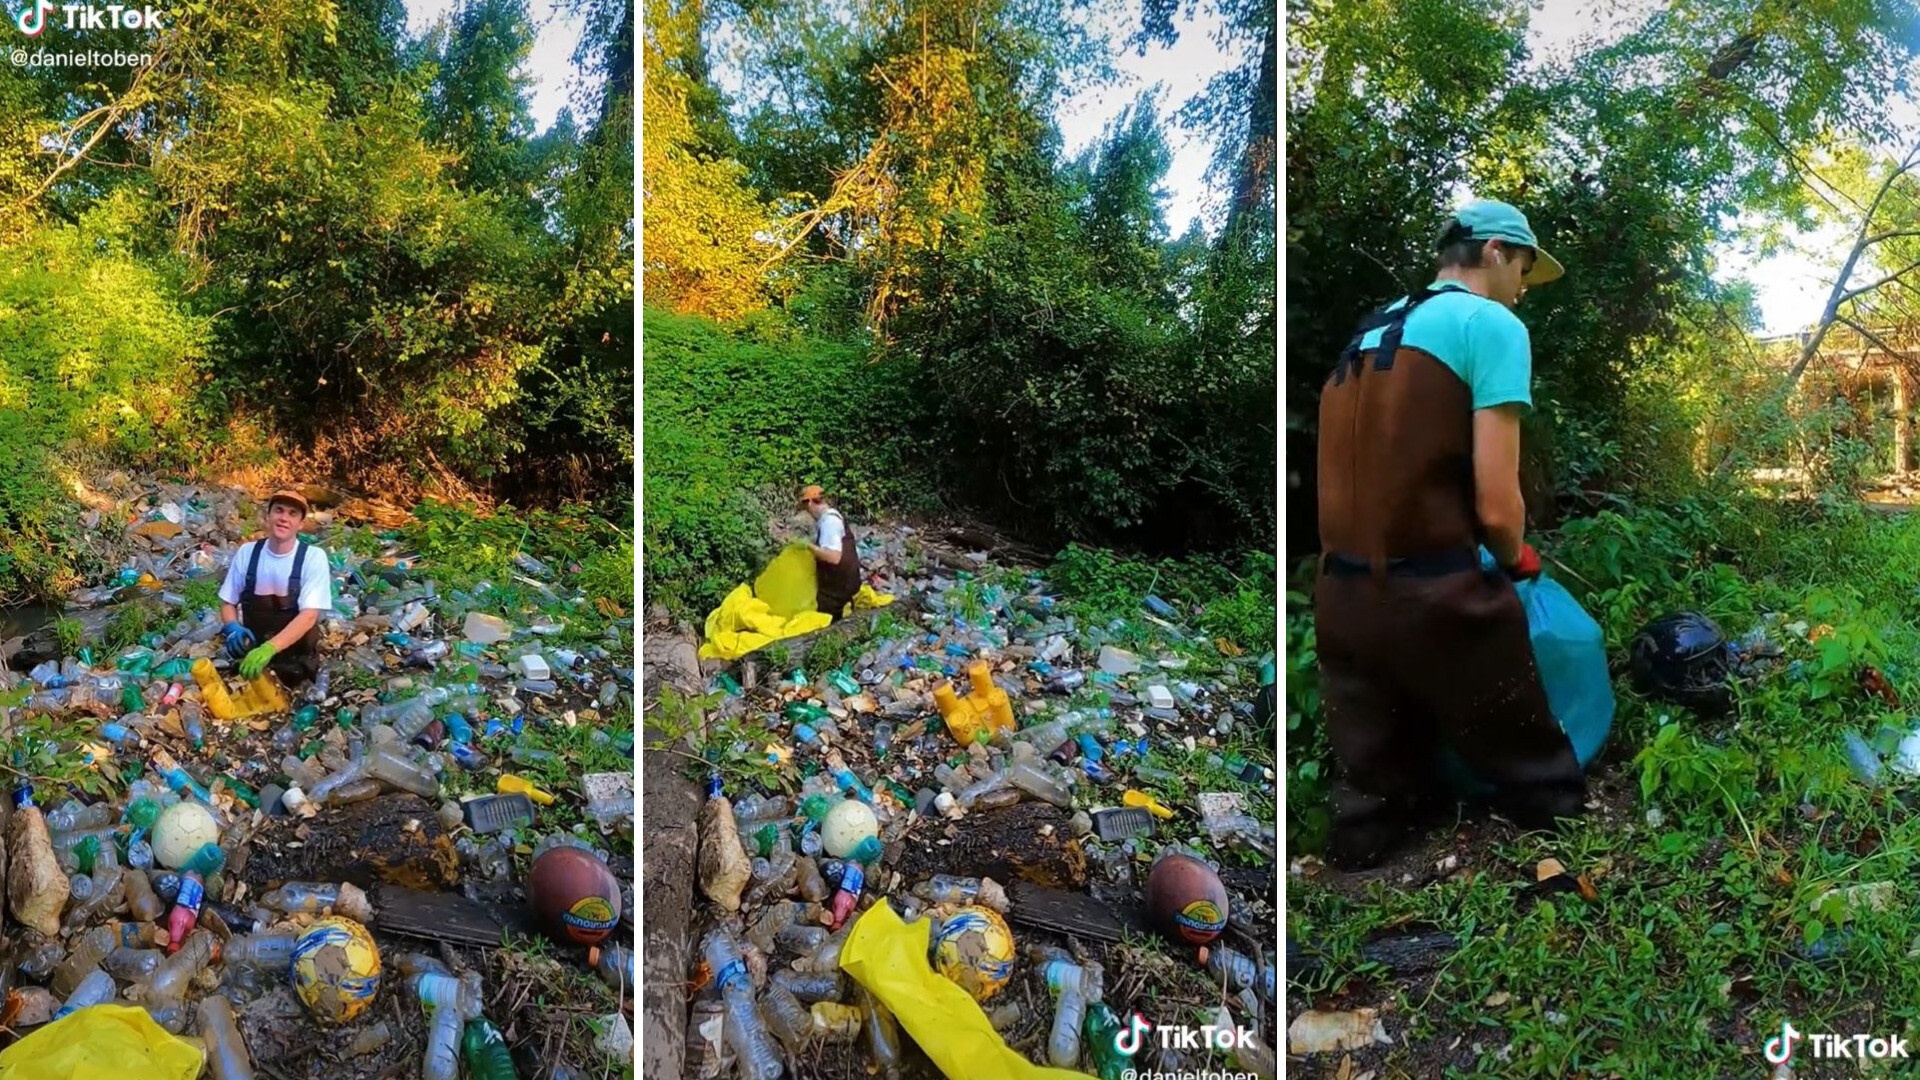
(268, 615)
(836, 583)
(1417, 645)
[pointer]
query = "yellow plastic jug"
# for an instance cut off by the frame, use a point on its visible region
(261, 695)
(986, 709)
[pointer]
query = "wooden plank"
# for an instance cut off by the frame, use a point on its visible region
(449, 917)
(1076, 914)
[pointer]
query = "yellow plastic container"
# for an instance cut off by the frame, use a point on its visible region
(515, 785)
(986, 709)
(260, 696)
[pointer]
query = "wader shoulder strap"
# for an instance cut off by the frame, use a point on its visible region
(293, 581)
(253, 572)
(1394, 319)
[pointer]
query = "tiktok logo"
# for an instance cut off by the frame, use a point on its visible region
(34, 19)
(1779, 1049)
(1128, 1042)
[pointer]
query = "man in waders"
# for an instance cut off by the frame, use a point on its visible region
(275, 592)
(836, 563)
(1419, 466)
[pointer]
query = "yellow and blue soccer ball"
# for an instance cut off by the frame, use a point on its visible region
(336, 969)
(974, 948)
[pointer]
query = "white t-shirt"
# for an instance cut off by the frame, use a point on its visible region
(316, 579)
(833, 530)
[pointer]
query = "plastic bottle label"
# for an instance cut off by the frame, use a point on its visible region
(853, 880)
(735, 971)
(192, 893)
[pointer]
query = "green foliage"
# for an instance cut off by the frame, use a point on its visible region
(464, 546)
(68, 632)
(1235, 604)
(95, 349)
(737, 419)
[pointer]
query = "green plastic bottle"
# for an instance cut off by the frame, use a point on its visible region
(805, 712)
(305, 718)
(1100, 1027)
(131, 700)
(486, 1052)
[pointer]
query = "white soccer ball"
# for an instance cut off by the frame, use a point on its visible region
(183, 829)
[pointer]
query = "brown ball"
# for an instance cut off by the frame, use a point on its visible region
(1186, 899)
(575, 895)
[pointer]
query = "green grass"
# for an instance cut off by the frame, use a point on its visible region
(1702, 922)
(201, 593)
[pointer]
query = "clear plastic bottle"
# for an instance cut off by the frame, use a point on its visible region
(84, 959)
(227, 1057)
(1040, 784)
(313, 897)
(950, 889)
(95, 989)
(265, 950)
(786, 1017)
(169, 983)
(391, 765)
(759, 1057)
(352, 773)
(973, 792)
(1066, 981)
(445, 1003)
(827, 957)
(131, 965)
(810, 987)
(883, 1035)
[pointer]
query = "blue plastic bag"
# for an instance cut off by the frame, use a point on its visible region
(1570, 651)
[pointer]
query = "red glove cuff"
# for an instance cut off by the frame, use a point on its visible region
(1528, 566)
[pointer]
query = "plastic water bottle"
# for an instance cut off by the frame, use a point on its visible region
(227, 1057)
(745, 1031)
(1065, 979)
(441, 997)
(96, 988)
(1865, 762)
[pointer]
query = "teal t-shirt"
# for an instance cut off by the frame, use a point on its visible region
(1483, 342)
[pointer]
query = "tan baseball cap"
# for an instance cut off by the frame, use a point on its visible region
(291, 498)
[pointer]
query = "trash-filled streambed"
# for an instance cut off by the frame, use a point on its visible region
(972, 834)
(418, 862)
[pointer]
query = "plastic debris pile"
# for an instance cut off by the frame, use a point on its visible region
(132, 889)
(996, 700)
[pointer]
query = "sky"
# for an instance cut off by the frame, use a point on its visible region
(551, 65)
(1174, 75)
(1792, 285)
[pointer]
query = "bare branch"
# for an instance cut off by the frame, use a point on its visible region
(1870, 336)
(1895, 276)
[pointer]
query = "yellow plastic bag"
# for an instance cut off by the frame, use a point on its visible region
(788, 584)
(889, 958)
(779, 604)
(104, 1042)
(867, 598)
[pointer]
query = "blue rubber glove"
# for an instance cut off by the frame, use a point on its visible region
(239, 640)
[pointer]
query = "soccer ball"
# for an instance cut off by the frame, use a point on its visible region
(336, 969)
(183, 829)
(974, 948)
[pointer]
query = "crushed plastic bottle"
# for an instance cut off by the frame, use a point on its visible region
(745, 1031)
